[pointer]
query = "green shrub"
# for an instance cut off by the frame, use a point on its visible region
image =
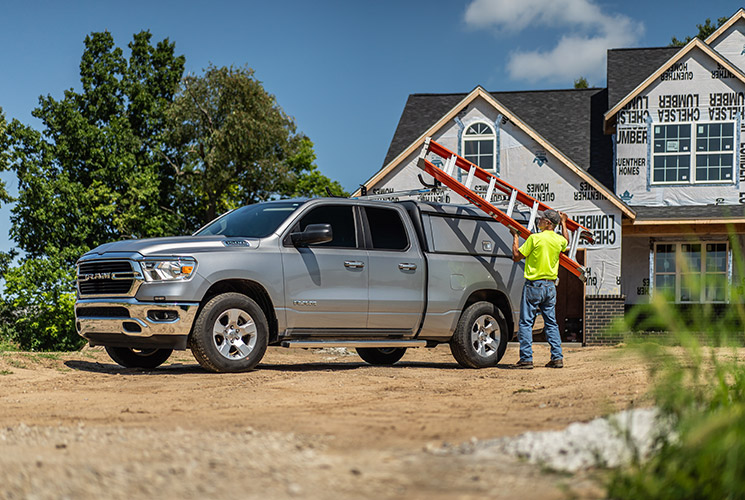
(700, 388)
(38, 310)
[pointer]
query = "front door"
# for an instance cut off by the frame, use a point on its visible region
(326, 285)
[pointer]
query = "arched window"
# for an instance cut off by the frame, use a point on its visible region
(478, 145)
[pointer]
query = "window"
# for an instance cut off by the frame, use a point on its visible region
(713, 155)
(341, 219)
(691, 272)
(714, 148)
(478, 145)
(386, 229)
(252, 221)
(672, 148)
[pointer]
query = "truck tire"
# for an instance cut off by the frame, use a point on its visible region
(480, 338)
(381, 355)
(138, 358)
(230, 334)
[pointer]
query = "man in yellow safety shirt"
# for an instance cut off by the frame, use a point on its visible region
(541, 253)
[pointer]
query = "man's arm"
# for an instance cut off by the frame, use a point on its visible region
(563, 223)
(516, 255)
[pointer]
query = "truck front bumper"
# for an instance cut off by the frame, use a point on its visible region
(128, 322)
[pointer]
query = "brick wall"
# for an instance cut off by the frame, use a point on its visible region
(600, 311)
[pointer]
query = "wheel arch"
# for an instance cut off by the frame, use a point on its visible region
(500, 301)
(252, 290)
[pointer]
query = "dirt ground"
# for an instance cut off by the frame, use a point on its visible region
(305, 424)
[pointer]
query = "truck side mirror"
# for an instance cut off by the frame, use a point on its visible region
(313, 235)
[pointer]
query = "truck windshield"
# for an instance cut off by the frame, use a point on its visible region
(252, 221)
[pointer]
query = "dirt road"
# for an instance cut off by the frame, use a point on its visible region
(306, 424)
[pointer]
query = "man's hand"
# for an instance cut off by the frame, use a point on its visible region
(516, 255)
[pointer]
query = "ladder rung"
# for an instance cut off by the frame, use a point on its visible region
(469, 179)
(450, 165)
(575, 243)
(490, 190)
(511, 206)
(533, 214)
(425, 148)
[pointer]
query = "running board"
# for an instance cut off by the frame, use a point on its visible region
(354, 343)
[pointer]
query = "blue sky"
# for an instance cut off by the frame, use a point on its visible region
(343, 69)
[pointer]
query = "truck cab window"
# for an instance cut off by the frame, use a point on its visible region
(341, 219)
(386, 229)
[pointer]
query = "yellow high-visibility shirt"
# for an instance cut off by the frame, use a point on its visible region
(541, 251)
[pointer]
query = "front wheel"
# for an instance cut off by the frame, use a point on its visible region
(381, 355)
(230, 334)
(480, 338)
(138, 358)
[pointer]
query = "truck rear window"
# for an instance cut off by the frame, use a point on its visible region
(252, 221)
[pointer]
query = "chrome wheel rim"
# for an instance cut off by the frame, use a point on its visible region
(485, 336)
(234, 334)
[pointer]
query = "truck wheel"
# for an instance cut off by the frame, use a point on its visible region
(230, 334)
(138, 358)
(480, 338)
(381, 355)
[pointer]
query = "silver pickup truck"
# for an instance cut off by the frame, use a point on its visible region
(377, 276)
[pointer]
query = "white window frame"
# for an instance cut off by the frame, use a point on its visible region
(482, 137)
(679, 270)
(692, 155)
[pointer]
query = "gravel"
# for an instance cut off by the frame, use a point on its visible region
(603, 442)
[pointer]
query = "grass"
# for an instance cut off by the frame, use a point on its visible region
(6, 345)
(699, 385)
(6, 372)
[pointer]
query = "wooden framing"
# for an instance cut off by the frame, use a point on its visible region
(740, 14)
(687, 227)
(472, 96)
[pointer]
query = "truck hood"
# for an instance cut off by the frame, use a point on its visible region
(176, 245)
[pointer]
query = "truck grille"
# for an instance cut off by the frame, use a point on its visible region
(105, 277)
(102, 312)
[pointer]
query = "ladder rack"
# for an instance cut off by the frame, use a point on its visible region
(446, 175)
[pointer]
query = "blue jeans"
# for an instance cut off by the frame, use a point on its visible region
(538, 295)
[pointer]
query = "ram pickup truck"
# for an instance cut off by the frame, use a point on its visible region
(377, 276)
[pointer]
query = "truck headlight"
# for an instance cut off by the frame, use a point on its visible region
(168, 270)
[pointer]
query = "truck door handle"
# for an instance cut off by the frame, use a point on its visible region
(354, 264)
(407, 267)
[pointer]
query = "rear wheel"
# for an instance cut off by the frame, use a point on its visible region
(381, 355)
(138, 358)
(230, 334)
(480, 338)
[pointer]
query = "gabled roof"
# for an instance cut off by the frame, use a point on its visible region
(610, 116)
(578, 132)
(740, 14)
(572, 135)
(627, 68)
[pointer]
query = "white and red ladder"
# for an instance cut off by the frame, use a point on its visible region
(446, 176)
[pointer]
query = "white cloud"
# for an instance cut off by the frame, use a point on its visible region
(582, 52)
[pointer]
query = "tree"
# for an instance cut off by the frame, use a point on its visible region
(96, 172)
(704, 30)
(581, 83)
(235, 146)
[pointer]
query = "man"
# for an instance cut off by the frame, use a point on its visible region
(541, 253)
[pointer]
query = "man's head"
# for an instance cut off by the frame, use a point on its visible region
(550, 216)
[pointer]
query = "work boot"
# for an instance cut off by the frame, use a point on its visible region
(555, 363)
(524, 365)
